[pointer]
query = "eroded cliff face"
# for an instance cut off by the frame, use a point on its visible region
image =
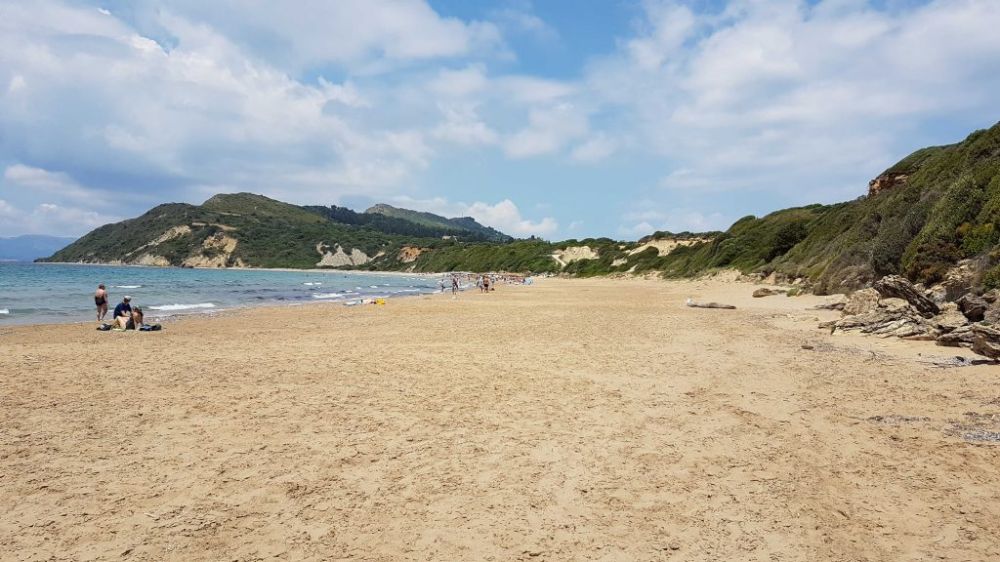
(216, 251)
(409, 254)
(340, 258)
(886, 182)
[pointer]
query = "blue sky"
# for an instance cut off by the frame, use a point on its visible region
(558, 118)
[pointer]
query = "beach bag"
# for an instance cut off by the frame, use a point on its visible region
(150, 328)
(104, 327)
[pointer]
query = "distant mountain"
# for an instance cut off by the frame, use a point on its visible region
(249, 230)
(412, 223)
(31, 246)
(430, 220)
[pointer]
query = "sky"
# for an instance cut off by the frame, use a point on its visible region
(556, 118)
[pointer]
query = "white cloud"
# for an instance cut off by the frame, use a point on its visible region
(463, 126)
(504, 215)
(594, 149)
(796, 98)
(548, 131)
(354, 32)
(49, 218)
(672, 220)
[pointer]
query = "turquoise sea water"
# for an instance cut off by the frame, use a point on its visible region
(41, 293)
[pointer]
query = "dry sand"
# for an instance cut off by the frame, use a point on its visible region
(571, 420)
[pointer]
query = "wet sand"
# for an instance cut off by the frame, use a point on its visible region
(570, 420)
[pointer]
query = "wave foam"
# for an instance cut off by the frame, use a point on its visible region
(312, 284)
(328, 295)
(128, 286)
(4, 311)
(183, 306)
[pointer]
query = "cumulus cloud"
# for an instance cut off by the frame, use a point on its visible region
(49, 218)
(771, 101)
(645, 222)
(504, 215)
(548, 131)
(793, 102)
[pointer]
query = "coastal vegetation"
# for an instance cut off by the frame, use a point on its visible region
(934, 209)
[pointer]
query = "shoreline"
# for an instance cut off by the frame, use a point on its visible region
(287, 300)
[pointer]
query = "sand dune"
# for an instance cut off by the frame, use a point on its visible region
(571, 420)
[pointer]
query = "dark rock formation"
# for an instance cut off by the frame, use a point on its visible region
(973, 307)
(899, 287)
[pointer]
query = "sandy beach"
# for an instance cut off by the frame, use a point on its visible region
(569, 420)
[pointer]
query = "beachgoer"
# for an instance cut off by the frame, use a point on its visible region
(123, 312)
(135, 320)
(454, 285)
(101, 300)
(486, 283)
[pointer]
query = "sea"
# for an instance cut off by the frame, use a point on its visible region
(36, 293)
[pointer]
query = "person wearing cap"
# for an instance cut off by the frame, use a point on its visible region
(123, 312)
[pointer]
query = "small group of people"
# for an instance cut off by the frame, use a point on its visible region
(486, 283)
(124, 317)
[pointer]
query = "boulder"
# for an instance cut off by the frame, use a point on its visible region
(861, 301)
(950, 319)
(897, 286)
(973, 307)
(959, 337)
(765, 292)
(986, 341)
(893, 304)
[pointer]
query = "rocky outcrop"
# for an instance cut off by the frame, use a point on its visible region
(986, 341)
(959, 280)
(899, 287)
(409, 254)
(340, 258)
(973, 307)
(886, 182)
(766, 292)
(861, 301)
(216, 251)
(960, 337)
(150, 259)
(905, 323)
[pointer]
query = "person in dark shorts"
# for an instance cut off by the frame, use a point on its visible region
(123, 312)
(101, 301)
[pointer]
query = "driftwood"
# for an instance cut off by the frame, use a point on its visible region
(899, 287)
(694, 304)
(899, 323)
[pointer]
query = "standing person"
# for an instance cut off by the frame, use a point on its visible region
(454, 286)
(101, 300)
(123, 311)
(486, 283)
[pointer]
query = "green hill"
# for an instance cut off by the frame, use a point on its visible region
(430, 220)
(921, 216)
(249, 230)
